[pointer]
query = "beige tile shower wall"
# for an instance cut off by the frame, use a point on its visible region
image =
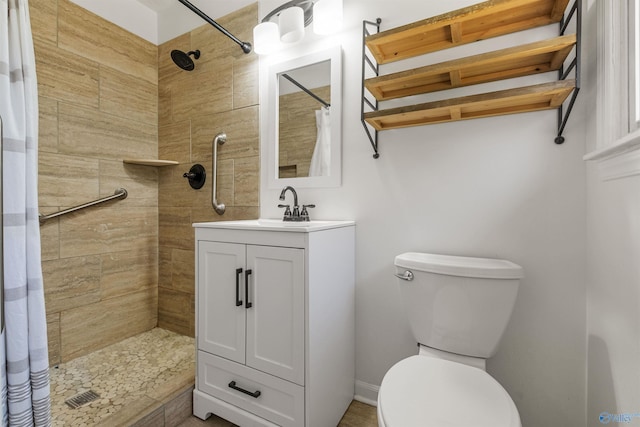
(98, 88)
(220, 95)
(297, 115)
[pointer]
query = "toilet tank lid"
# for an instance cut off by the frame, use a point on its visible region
(450, 265)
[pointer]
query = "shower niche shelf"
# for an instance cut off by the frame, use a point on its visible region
(150, 162)
(477, 22)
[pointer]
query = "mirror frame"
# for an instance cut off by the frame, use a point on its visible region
(271, 127)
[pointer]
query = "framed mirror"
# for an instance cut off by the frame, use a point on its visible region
(303, 128)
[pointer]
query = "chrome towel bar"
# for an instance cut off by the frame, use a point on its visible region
(120, 193)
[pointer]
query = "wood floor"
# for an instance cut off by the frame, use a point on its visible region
(358, 415)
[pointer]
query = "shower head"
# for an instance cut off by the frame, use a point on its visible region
(182, 59)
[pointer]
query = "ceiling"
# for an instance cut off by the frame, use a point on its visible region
(159, 20)
(213, 8)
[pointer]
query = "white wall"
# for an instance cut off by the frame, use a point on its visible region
(613, 296)
(130, 15)
(613, 271)
(496, 187)
(158, 21)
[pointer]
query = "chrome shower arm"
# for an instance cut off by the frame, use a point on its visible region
(246, 47)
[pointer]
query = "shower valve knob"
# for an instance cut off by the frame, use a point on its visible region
(196, 176)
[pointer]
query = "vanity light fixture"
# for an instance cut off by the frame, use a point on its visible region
(291, 24)
(286, 23)
(328, 16)
(266, 38)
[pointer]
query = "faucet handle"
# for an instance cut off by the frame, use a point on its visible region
(304, 214)
(287, 211)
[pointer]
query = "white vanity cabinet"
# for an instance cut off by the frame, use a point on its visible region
(275, 322)
(251, 306)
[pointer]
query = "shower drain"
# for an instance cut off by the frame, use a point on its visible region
(82, 399)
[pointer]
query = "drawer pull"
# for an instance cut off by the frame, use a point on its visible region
(255, 394)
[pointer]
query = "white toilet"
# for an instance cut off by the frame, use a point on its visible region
(458, 308)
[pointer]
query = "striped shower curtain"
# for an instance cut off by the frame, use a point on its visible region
(23, 347)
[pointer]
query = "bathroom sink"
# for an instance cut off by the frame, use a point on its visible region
(276, 225)
(281, 223)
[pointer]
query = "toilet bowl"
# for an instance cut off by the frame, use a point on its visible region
(422, 391)
(458, 308)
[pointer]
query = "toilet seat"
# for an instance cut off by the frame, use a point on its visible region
(421, 391)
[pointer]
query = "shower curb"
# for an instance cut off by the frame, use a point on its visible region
(148, 412)
(172, 413)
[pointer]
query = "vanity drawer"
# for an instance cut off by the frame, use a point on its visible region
(264, 395)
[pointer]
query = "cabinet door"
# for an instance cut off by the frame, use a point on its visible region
(275, 317)
(221, 314)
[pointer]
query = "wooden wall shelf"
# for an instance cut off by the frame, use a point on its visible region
(533, 58)
(477, 22)
(521, 100)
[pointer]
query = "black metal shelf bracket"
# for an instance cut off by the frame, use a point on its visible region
(574, 66)
(372, 134)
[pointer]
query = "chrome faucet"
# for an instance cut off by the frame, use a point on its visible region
(294, 215)
(288, 215)
(293, 191)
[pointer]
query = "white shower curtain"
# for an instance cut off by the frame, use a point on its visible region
(321, 159)
(24, 355)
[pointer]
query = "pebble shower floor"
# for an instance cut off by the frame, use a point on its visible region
(133, 375)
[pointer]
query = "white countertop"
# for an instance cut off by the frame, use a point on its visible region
(275, 225)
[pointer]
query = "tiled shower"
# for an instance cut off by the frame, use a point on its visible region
(114, 271)
(119, 269)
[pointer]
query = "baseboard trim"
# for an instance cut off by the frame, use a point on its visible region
(366, 393)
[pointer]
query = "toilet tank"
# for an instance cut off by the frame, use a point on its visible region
(458, 304)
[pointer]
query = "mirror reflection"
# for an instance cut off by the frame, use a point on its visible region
(304, 121)
(289, 122)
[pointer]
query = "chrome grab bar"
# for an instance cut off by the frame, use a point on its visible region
(120, 193)
(408, 276)
(220, 138)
